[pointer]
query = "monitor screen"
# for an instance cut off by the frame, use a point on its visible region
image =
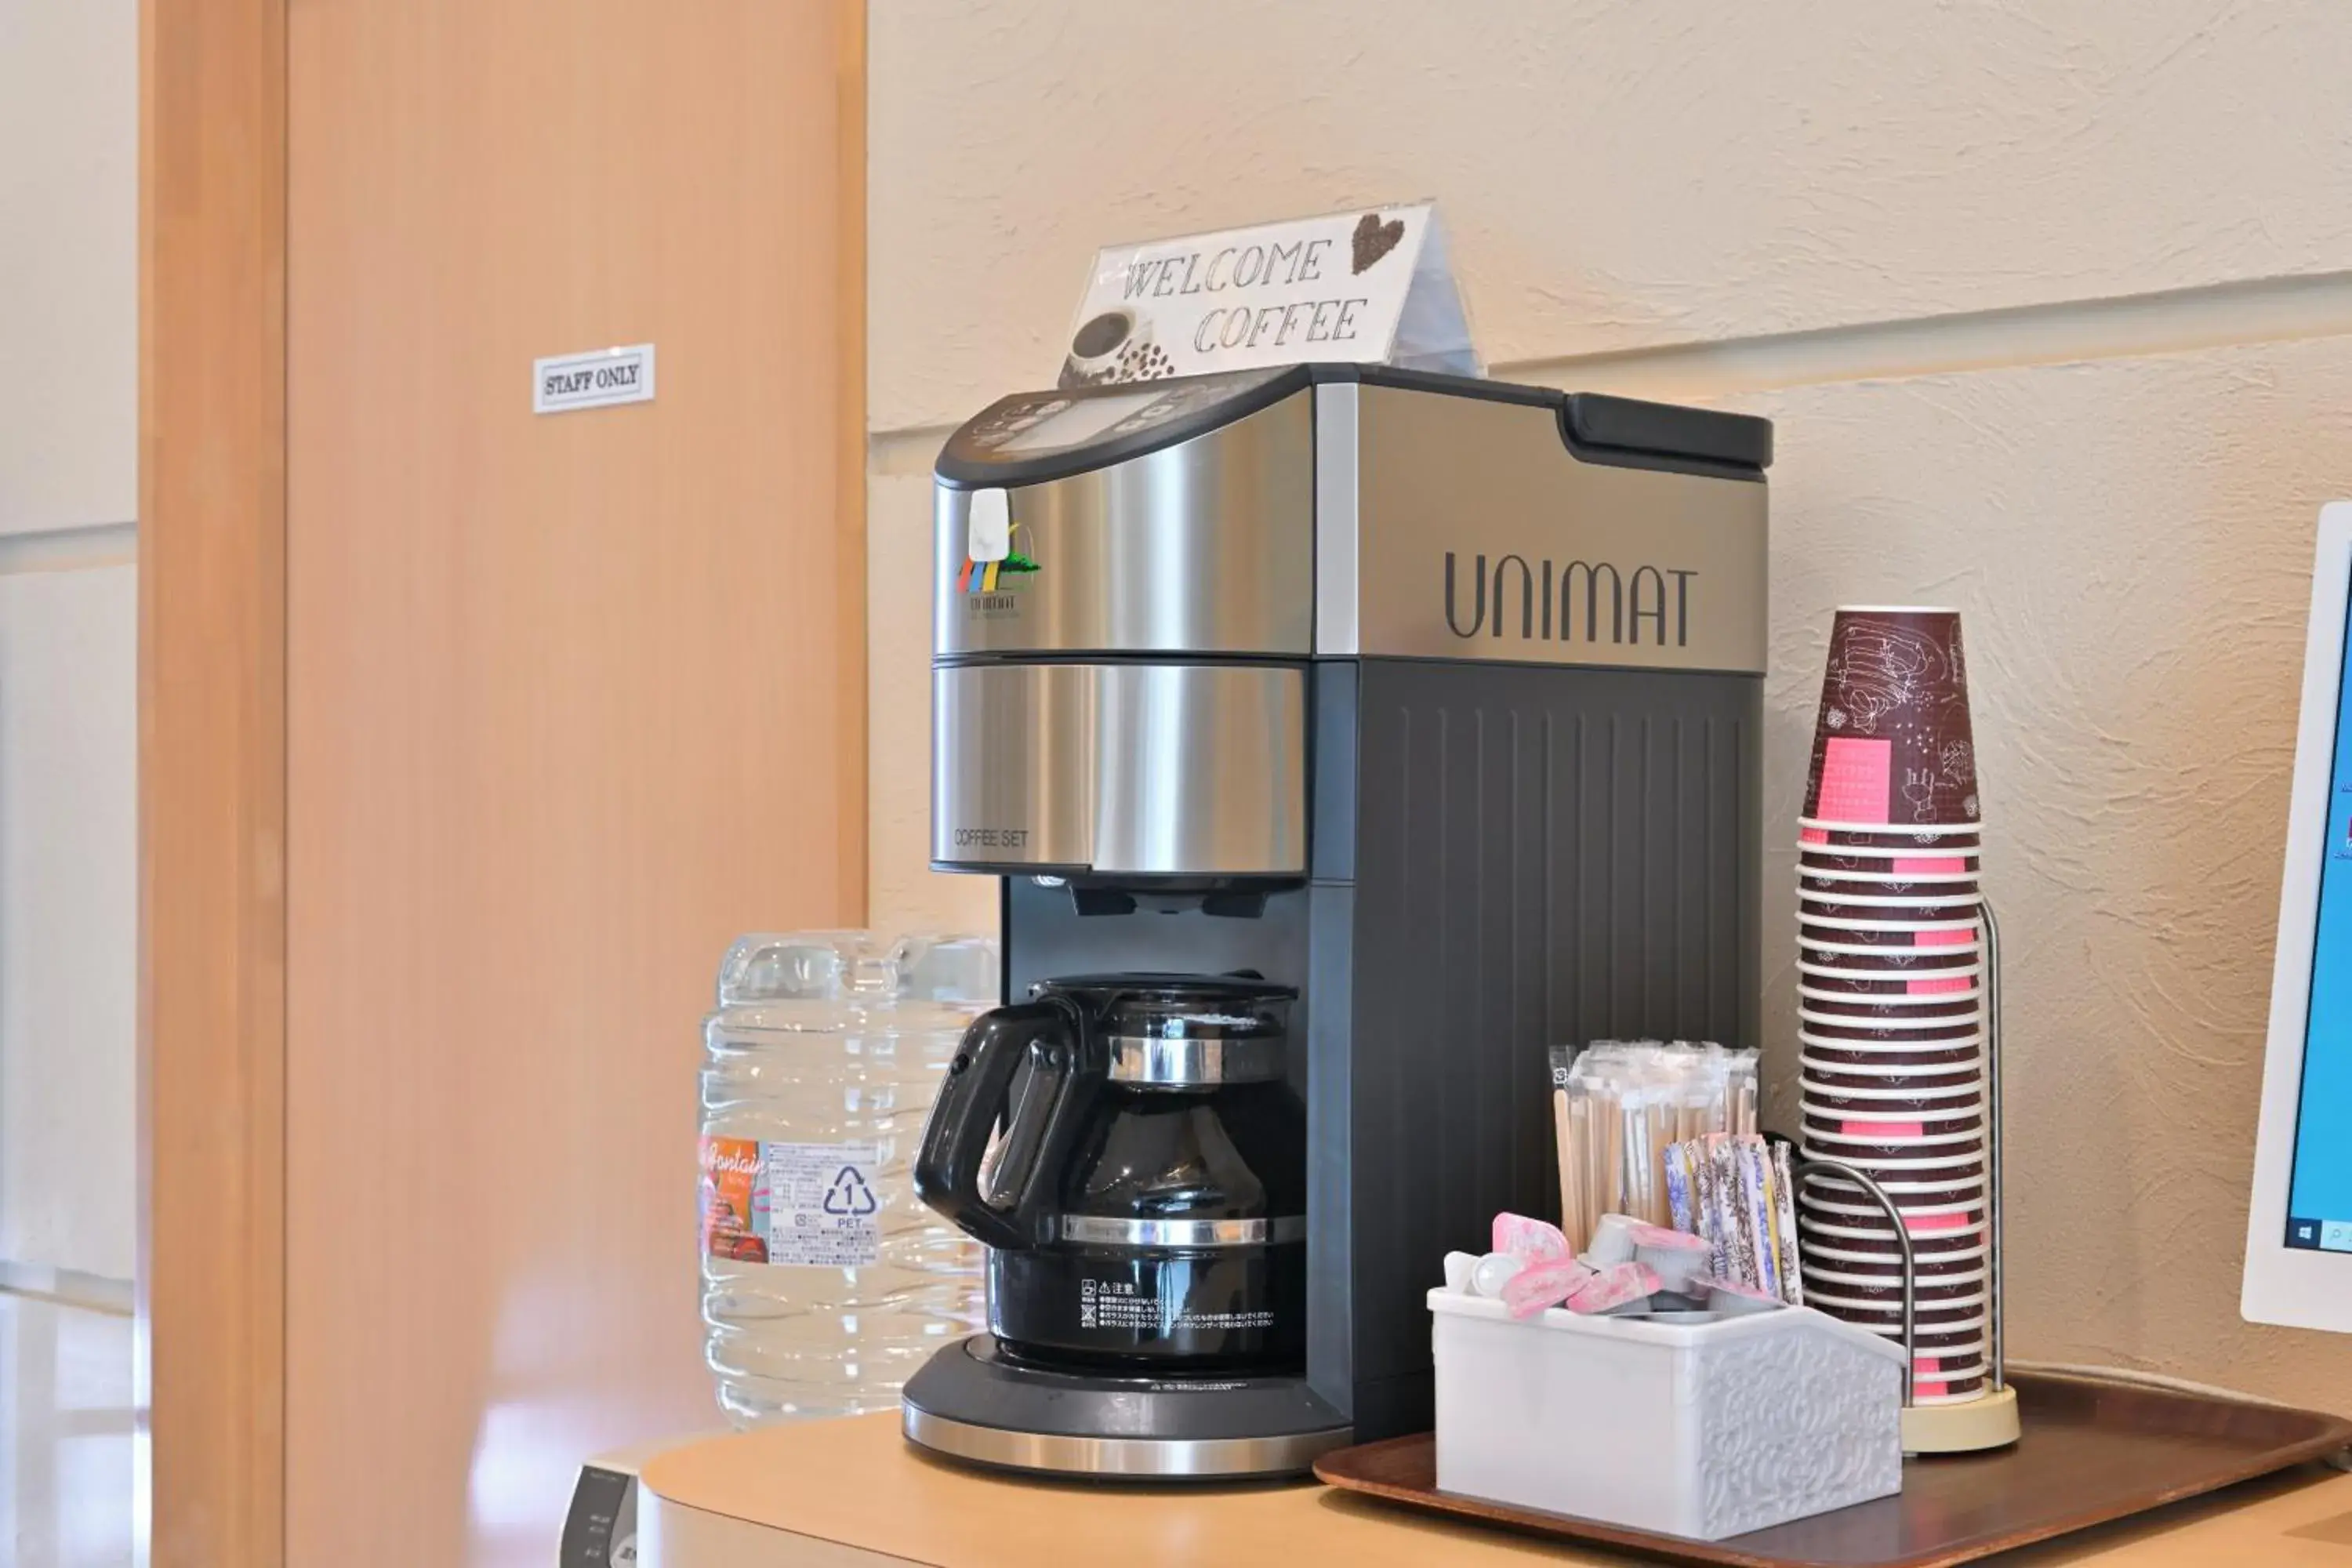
(2319, 1203)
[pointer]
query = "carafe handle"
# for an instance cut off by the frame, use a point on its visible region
(979, 1083)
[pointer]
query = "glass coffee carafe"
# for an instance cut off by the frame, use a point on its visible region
(1129, 1149)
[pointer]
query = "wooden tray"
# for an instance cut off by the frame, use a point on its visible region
(2093, 1451)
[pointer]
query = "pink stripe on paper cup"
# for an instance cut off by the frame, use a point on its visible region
(1937, 987)
(1812, 836)
(1857, 780)
(1925, 865)
(1883, 1128)
(1844, 847)
(1876, 954)
(1879, 1237)
(1847, 1207)
(1943, 931)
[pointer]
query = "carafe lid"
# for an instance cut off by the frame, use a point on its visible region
(1185, 1031)
(1170, 985)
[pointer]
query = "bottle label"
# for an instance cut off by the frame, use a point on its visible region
(811, 1205)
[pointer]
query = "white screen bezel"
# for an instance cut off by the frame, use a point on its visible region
(2286, 1285)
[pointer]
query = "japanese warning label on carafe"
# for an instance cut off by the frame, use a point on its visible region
(815, 1204)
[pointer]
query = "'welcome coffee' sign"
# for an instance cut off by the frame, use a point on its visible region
(1370, 287)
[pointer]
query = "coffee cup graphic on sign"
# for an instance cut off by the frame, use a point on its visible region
(1115, 345)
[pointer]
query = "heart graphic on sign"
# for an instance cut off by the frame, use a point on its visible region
(1374, 239)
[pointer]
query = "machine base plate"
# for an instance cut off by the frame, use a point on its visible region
(972, 1402)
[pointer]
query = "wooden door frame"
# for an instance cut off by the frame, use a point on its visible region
(212, 779)
(211, 1264)
(849, 383)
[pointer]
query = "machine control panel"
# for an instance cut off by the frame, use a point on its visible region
(1031, 437)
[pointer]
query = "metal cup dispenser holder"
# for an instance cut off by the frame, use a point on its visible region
(1990, 1421)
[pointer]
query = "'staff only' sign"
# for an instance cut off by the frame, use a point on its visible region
(593, 380)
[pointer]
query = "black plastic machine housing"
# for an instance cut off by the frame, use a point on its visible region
(1504, 858)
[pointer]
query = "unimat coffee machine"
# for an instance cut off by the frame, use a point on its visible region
(1343, 738)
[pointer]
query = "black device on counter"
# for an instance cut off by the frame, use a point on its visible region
(1431, 705)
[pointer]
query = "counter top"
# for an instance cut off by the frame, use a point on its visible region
(842, 1493)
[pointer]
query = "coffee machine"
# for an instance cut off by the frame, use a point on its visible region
(1427, 711)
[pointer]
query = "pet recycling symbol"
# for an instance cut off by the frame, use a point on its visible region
(849, 1194)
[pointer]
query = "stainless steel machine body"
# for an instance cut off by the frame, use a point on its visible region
(1136, 705)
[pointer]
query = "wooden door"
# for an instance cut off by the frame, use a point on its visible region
(569, 702)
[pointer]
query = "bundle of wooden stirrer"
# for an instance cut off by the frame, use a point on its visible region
(1618, 1106)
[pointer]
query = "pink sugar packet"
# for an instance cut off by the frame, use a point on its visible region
(1541, 1285)
(1536, 1240)
(1659, 1235)
(1618, 1285)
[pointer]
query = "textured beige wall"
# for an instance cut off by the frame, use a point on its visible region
(1619, 172)
(68, 918)
(69, 692)
(2073, 351)
(903, 893)
(2130, 542)
(69, 263)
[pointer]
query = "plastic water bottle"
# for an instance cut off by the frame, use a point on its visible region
(826, 1282)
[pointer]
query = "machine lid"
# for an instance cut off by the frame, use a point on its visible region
(1029, 437)
(1601, 427)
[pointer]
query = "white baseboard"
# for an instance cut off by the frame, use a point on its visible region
(67, 1287)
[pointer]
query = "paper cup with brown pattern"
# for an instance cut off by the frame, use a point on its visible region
(1893, 750)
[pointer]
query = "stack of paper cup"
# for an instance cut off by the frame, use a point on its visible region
(1891, 989)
